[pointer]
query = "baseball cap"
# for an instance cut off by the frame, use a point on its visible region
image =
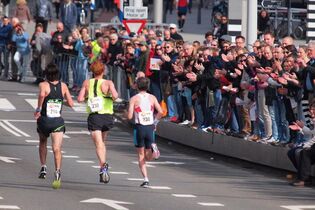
(144, 43)
(226, 38)
(173, 25)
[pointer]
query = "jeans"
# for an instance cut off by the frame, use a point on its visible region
(4, 55)
(274, 125)
(211, 112)
(171, 106)
(264, 113)
(178, 102)
(199, 112)
(22, 62)
(81, 71)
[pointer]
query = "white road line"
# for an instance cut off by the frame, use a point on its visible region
(5, 105)
(33, 121)
(49, 147)
(148, 165)
(85, 161)
(1, 198)
(210, 204)
(95, 166)
(71, 156)
(66, 137)
(78, 132)
(32, 102)
(9, 129)
(26, 94)
(8, 207)
(299, 207)
(119, 172)
(79, 107)
(32, 141)
(184, 195)
(62, 152)
(160, 187)
(15, 128)
(135, 179)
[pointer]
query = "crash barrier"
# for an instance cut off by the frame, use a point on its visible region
(263, 154)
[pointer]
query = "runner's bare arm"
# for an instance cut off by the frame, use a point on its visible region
(113, 90)
(81, 96)
(41, 97)
(131, 108)
(67, 95)
(158, 108)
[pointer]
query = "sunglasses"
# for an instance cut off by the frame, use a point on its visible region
(167, 47)
(286, 52)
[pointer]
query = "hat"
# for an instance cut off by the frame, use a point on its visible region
(226, 38)
(172, 25)
(132, 34)
(158, 33)
(144, 43)
(125, 37)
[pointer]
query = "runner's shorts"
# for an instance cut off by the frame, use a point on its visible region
(100, 122)
(143, 135)
(48, 125)
(182, 11)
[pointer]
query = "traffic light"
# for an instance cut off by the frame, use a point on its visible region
(5, 2)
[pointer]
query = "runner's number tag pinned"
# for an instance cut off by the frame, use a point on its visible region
(95, 104)
(53, 108)
(146, 118)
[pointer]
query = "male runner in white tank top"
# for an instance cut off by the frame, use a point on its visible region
(141, 107)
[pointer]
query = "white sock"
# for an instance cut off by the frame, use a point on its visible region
(146, 179)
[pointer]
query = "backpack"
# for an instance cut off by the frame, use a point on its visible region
(43, 9)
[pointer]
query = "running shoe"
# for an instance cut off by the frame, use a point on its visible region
(43, 172)
(145, 184)
(57, 181)
(155, 151)
(104, 175)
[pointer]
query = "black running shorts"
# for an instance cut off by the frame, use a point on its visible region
(47, 125)
(100, 122)
(143, 135)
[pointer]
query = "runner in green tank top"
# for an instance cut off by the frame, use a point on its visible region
(99, 95)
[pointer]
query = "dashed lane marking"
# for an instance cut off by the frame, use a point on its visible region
(160, 188)
(119, 172)
(15, 128)
(85, 161)
(8, 207)
(26, 94)
(184, 195)
(70, 156)
(32, 141)
(210, 204)
(296, 207)
(5, 105)
(135, 179)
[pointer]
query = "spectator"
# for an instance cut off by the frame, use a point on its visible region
(182, 7)
(22, 12)
(56, 3)
(263, 22)
(174, 35)
(5, 36)
(68, 14)
(43, 13)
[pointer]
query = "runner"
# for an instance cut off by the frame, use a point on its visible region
(100, 94)
(141, 106)
(49, 120)
(182, 7)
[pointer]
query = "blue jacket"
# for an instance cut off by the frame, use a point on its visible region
(22, 44)
(5, 32)
(68, 15)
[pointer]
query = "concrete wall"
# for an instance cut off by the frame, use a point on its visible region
(273, 156)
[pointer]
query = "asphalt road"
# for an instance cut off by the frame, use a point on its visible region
(183, 178)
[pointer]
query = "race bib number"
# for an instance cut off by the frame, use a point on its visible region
(146, 118)
(53, 108)
(95, 104)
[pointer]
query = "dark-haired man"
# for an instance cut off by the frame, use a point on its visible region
(49, 121)
(141, 107)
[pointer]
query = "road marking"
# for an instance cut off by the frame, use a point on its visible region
(48, 147)
(62, 152)
(79, 107)
(71, 156)
(160, 188)
(32, 102)
(96, 166)
(210, 204)
(8, 207)
(299, 207)
(15, 128)
(26, 94)
(78, 132)
(9, 129)
(111, 203)
(66, 137)
(119, 172)
(5, 105)
(1, 198)
(8, 159)
(34, 121)
(148, 165)
(85, 161)
(32, 141)
(184, 195)
(135, 179)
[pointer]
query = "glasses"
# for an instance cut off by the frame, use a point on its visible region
(158, 48)
(286, 52)
(214, 45)
(167, 47)
(179, 47)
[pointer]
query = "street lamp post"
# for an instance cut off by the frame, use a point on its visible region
(158, 11)
(251, 22)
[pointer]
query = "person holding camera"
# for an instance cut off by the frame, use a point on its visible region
(22, 54)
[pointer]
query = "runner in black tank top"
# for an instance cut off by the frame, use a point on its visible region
(49, 120)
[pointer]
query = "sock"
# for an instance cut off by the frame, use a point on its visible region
(146, 179)
(183, 22)
(44, 166)
(179, 23)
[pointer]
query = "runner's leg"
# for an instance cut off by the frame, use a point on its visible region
(99, 146)
(42, 149)
(141, 161)
(56, 147)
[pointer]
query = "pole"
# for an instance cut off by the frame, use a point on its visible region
(251, 22)
(199, 12)
(158, 11)
(289, 18)
(164, 12)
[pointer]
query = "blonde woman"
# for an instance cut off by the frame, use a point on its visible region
(22, 12)
(302, 53)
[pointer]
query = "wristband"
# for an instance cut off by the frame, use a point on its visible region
(38, 109)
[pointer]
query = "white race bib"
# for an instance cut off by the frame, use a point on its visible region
(53, 108)
(95, 104)
(146, 118)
